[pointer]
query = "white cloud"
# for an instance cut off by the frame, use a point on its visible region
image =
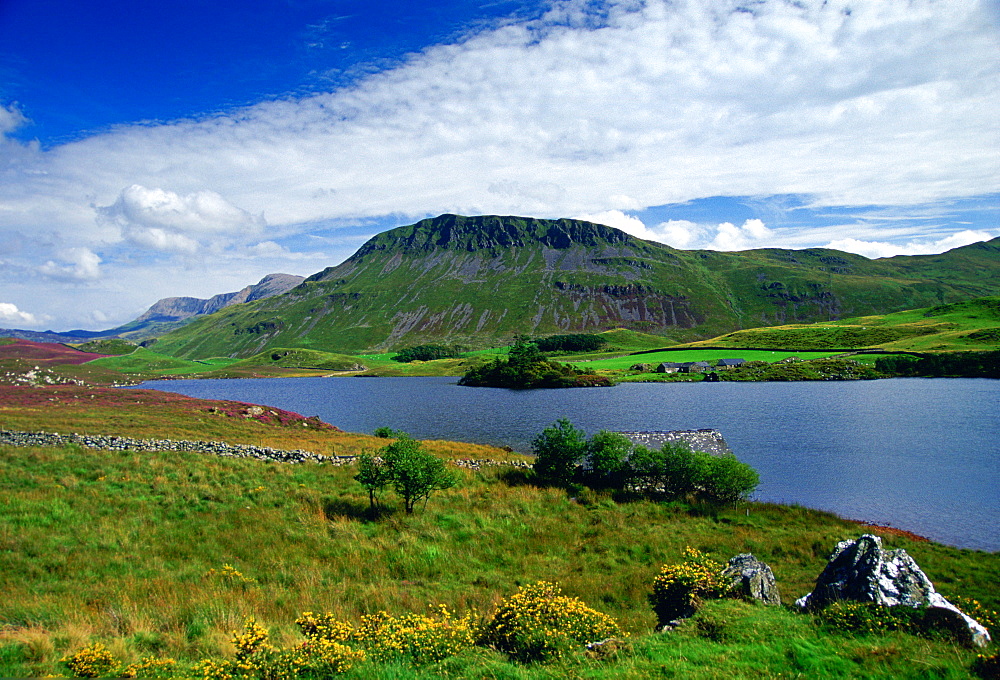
(684, 234)
(11, 119)
(164, 220)
(11, 315)
(79, 264)
(751, 234)
(619, 220)
(658, 103)
(681, 234)
(875, 249)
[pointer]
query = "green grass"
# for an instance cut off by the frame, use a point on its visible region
(118, 547)
(710, 355)
(970, 325)
(145, 361)
(108, 346)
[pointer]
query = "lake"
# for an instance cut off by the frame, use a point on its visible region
(917, 454)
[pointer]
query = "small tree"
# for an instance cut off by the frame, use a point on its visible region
(728, 480)
(558, 451)
(374, 476)
(607, 455)
(415, 474)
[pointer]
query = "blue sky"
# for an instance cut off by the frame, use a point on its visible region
(189, 148)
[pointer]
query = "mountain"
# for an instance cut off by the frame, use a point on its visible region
(479, 280)
(180, 308)
(167, 314)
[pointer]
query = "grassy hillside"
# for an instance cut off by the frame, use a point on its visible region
(967, 325)
(132, 549)
(165, 554)
(478, 281)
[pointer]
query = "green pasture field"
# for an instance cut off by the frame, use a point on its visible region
(710, 355)
(144, 360)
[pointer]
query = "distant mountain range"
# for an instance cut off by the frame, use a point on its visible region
(167, 314)
(479, 280)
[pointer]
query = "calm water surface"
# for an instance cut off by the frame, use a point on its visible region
(919, 454)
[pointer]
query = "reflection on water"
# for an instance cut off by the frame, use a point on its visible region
(919, 454)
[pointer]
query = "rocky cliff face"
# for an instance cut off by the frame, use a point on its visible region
(180, 308)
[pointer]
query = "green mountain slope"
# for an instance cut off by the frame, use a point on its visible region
(972, 325)
(479, 280)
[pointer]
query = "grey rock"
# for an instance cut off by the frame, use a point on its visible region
(861, 571)
(752, 579)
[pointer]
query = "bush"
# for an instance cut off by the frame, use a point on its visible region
(256, 658)
(680, 589)
(419, 639)
(388, 433)
(607, 457)
(539, 623)
(572, 342)
(150, 667)
(428, 353)
(93, 661)
(558, 451)
(677, 472)
(382, 637)
(727, 480)
(869, 618)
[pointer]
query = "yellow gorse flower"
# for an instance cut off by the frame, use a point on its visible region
(538, 621)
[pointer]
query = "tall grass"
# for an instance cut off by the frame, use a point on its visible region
(132, 549)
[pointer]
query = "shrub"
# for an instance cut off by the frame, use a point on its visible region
(388, 433)
(374, 476)
(324, 627)
(419, 639)
(382, 637)
(558, 451)
(256, 658)
(679, 589)
(989, 618)
(428, 353)
(727, 480)
(321, 658)
(607, 455)
(93, 661)
(525, 367)
(150, 667)
(229, 575)
(539, 623)
(869, 618)
(572, 342)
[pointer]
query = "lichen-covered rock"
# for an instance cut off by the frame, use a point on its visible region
(862, 571)
(752, 579)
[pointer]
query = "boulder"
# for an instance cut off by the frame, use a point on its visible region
(861, 571)
(751, 579)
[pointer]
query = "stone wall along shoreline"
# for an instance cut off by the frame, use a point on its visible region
(116, 443)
